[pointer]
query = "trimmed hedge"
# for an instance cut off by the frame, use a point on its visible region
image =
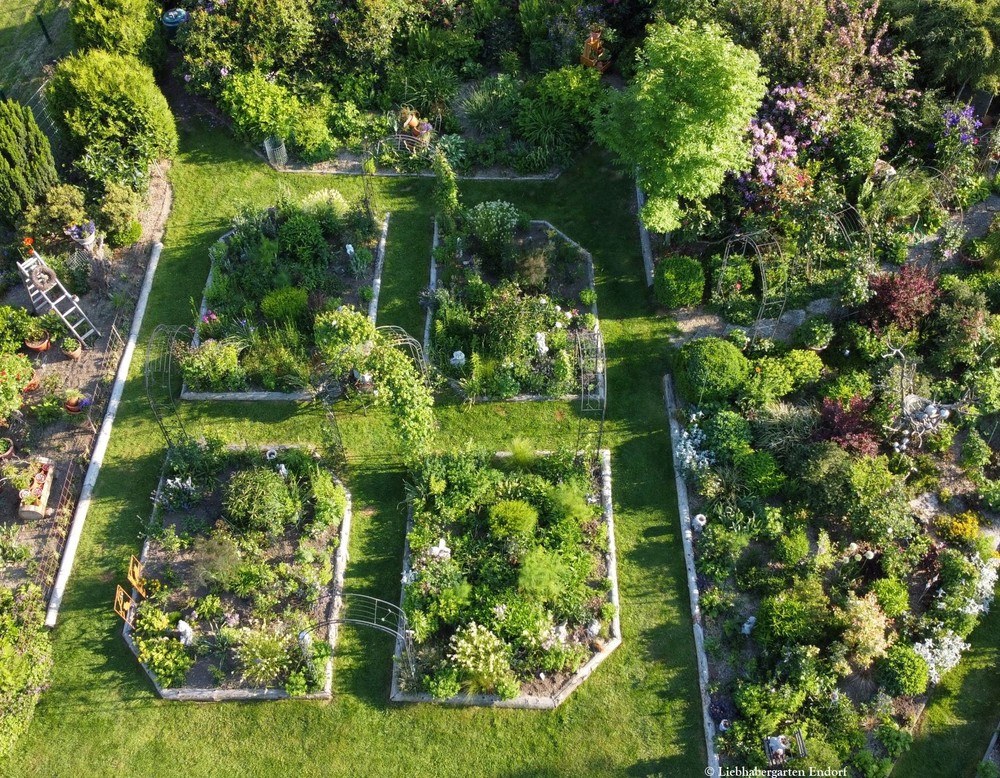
(679, 281)
(710, 369)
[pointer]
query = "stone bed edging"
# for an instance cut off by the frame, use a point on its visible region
(517, 398)
(101, 445)
(265, 396)
(684, 511)
(647, 248)
(202, 694)
(527, 701)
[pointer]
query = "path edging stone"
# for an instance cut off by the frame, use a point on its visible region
(101, 445)
(687, 537)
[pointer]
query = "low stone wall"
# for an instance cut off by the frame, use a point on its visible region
(647, 248)
(684, 511)
(528, 701)
(200, 694)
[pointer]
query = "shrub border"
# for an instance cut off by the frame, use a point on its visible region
(454, 384)
(303, 396)
(336, 589)
(527, 701)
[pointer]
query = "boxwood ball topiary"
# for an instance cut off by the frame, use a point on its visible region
(903, 671)
(679, 281)
(710, 369)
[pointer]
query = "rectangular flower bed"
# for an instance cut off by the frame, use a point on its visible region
(510, 585)
(270, 276)
(242, 574)
(508, 299)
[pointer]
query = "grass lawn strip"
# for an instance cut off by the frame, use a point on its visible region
(649, 682)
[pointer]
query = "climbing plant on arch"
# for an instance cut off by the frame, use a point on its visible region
(348, 341)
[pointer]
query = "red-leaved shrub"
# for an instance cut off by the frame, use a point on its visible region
(902, 298)
(848, 426)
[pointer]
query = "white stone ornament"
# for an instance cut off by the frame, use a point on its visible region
(186, 633)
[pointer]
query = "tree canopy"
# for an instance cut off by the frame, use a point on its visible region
(958, 40)
(682, 121)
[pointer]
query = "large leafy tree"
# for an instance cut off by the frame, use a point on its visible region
(958, 40)
(27, 170)
(681, 123)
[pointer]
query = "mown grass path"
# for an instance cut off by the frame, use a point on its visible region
(638, 715)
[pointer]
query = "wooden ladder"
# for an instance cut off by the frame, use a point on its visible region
(56, 298)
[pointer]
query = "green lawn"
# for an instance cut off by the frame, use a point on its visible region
(23, 48)
(962, 712)
(638, 715)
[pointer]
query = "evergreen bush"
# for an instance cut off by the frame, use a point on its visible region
(27, 170)
(115, 117)
(679, 281)
(710, 369)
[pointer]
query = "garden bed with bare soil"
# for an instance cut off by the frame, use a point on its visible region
(506, 326)
(525, 607)
(241, 575)
(44, 428)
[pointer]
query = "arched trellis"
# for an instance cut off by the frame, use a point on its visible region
(402, 340)
(764, 252)
(163, 380)
(844, 229)
(593, 381)
(365, 611)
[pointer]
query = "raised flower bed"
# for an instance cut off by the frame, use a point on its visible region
(509, 578)
(241, 574)
(508, 299)
(270, 276)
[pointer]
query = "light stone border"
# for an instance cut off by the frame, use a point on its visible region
(684, 511)
(647, 248)
(202, 694)
(263, 396)
(101, 445)
(518, 398)
(527, 701)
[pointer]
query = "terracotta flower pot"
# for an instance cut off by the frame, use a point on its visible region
(41, 344)
(73, 407)
(10, 449)
(73, 354)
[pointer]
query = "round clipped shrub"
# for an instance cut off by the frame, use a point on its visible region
(710, 369)
(679, 281)
(903, 671)
(259, 499)
(513, 517)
